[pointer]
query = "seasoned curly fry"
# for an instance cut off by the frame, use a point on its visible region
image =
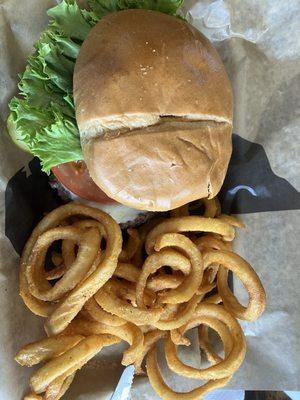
(191, 283)
(166, 393)
(108, 299)
(178, 339)
(205, 345)
(235, 357)
(235, 263)
(46, 349)
(88, 246)
(234, 221)
(213, 299)
(177, 366)
(58, 387)
(129, 332)
(69, 362)
(131, 247)
(127, 271)
(154, 262)
(212, 207)
(211, 242)
(55, 273)
(165, 281)
(72, 304)
(181, 317)
(101, 297)
(98, 314)
(143, 230)
(68, 246)
(190, 224)
(127, 291)
(150, 339)
(54, 219)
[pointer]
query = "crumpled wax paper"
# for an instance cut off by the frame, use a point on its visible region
(258, 41)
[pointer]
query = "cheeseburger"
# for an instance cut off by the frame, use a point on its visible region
(130, 111)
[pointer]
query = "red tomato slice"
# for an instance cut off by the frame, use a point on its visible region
(76, 178)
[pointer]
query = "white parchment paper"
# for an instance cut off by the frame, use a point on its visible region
(259, 43)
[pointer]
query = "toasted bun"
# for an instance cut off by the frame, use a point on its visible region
(154, 110)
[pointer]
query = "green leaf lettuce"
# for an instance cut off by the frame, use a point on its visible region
(42, 117)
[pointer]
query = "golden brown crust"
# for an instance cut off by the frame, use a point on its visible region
(162, 167)
(137, 65)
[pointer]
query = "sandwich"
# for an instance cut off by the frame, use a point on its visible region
(130, 109)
